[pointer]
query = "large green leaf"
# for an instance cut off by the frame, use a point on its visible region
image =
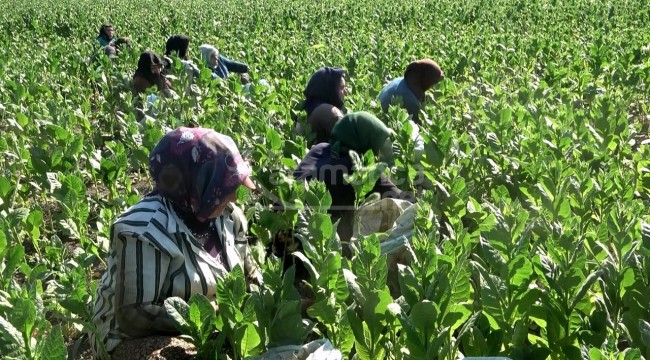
(179, 312)
(11, 339)
(53, 346)
(249, 339)
(23, 315)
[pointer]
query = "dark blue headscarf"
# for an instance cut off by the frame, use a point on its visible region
(322, 89)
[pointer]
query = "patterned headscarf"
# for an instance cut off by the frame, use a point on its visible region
(197, 169)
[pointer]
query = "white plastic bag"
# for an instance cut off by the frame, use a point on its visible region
(396, 219)
(315, 350)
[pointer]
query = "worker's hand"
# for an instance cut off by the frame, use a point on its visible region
(305, 303)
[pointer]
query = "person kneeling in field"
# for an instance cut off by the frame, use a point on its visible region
(409, 90)
(178, 240)
(179, 45)
(327, 162)
(324, 103)
(220, 65)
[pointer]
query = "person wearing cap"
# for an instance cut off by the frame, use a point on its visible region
(409, 90)
(222, 66)
(324, 103)
(328, 162)
(179, 240)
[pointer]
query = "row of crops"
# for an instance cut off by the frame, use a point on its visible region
(536, 142)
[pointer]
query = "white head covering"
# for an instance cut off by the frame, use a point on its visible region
(206, 52)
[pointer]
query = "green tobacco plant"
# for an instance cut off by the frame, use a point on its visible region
(534, 155)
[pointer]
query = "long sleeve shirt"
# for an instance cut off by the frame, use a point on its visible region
(397, 91)
(154, 256)
(225, 66)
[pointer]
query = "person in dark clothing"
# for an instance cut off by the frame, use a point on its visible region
(328, 162)
(324, 102)
(149, 73)
(179, 45)
(409, 90)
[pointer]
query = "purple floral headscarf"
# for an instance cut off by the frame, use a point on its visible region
(197, 169)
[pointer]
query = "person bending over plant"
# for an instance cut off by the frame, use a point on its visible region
(409, 90)
(149, 73)
(178, 240)
(328, 162)
(222, 66)
(179, 45)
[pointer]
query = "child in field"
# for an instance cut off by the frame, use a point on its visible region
(179, 45)
(221, 66)
(324, 102)
(149, 73)
(179, 240)
(409, 90)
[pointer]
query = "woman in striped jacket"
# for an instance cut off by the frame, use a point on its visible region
(177, 241)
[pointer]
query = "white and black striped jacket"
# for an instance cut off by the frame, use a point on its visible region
(153, 256)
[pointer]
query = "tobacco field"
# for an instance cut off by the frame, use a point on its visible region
(536, 141)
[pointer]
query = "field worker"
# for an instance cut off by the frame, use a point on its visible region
(179, 45)
(324, 102)
(107, 37)
(221, 66)
(149, 73)
(178, 240)
(409, 90)
(106, 34)
(327, 162)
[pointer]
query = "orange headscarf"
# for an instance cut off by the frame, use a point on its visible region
(422, 75)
